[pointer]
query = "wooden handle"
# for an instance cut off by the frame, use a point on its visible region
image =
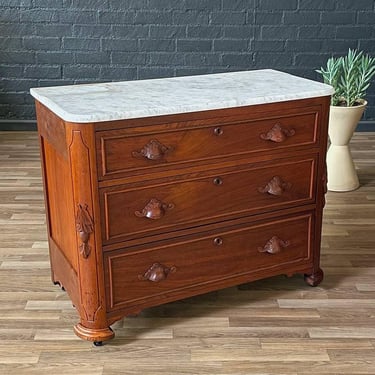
(153, 150)
(157, 272)
(154, 209)
(274, 245)
(277, 134)
(276, 186)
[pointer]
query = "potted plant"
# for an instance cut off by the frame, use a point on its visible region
(350, 76)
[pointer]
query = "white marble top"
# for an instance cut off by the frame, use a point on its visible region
(144, 98)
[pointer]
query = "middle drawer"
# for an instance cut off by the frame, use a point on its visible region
(130, 212)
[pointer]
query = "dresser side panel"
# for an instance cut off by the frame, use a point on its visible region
(57, 187)
(60, 203)
(321, 181)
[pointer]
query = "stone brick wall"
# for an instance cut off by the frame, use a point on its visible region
(54, 42)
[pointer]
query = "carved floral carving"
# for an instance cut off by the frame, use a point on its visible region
(274, 245)
(277, 134)
(276, 186)
(84, 226)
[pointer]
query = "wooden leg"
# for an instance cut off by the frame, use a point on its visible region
(315, 278)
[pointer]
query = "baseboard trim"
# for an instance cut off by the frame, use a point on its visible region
(366, 126)
(25, 125)
(17, 125)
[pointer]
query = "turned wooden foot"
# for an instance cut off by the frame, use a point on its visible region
(96, 335)
(315, 278)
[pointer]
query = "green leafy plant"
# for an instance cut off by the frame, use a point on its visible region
(350, 76)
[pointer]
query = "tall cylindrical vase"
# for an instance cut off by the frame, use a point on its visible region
(341, 172)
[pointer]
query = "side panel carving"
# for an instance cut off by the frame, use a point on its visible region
(84, 226)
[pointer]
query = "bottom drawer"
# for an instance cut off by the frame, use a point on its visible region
(164, 271)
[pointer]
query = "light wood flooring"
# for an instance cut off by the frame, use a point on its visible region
(275, 326)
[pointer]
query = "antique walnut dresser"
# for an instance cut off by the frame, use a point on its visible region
(158, 190)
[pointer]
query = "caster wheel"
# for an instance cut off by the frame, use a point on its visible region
(98, 343)
(60, 285)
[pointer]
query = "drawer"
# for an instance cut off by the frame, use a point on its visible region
(149, 149)
(130, 212)
(165, 272)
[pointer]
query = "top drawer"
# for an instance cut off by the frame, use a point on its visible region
(148, 149)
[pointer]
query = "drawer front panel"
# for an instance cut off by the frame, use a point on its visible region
(137, 212)
(124, 151)
(223, 257)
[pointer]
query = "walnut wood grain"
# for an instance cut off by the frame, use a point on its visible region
(234, 191)
(207, 259)
(93, 325)
(153, 210)
(199, 138)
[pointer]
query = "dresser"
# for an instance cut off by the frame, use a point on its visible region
(159, 190)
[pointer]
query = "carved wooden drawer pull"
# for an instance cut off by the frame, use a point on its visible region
(157, 272)
(277, 134)
(273, 246)
(276, 186)
(153, 150)
(154, 209)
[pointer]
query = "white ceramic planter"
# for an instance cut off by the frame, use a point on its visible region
(341, 172)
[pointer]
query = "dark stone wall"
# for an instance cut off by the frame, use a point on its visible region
(55, 42)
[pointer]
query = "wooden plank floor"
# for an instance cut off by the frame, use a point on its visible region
(275, 326)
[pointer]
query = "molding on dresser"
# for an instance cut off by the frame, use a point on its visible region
(30, 125)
